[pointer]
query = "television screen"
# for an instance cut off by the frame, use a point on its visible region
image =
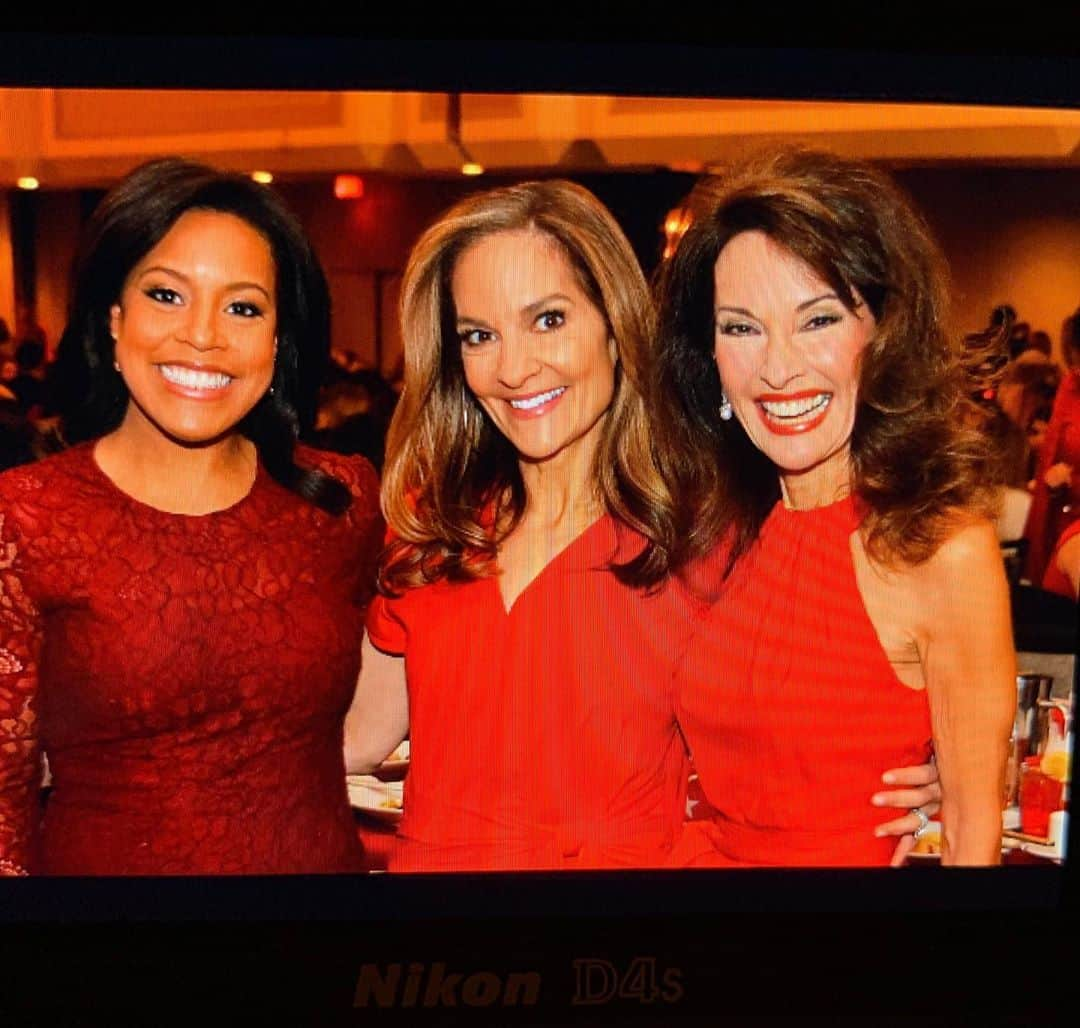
(548, 919)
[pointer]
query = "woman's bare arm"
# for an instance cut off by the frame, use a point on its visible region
(378, 719)
(965, 640)
(1068, 562)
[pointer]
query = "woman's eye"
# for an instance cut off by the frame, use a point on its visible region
(734, 328)
(245, 309)
(822, 320)
(162, 294)
(475, 336)
(550, 319)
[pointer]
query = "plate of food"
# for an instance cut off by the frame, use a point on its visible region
(927, 846)
(378, 799)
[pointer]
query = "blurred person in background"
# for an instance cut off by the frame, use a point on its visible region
(1040, 342)
(17, 435)
(1063, 569)
(27, 329)
(1026, 396)
(1003, 313)
(354, 414)
(28, 384)
(984, 355)
(1056, 503)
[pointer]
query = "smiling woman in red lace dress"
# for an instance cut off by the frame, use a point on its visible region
(182, 593)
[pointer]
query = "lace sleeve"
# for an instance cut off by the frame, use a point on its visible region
(20, 755)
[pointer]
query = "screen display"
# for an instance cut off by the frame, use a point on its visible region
(566, 743)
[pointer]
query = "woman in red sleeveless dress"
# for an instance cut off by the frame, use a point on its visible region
(1056, 504)
(515, 639)
(861, 606)
(1063, 569)
(182, 594)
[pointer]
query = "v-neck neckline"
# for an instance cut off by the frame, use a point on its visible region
(557, 558)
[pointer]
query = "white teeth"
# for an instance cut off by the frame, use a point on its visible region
(538, 400)
(796, 408)
(189, 378)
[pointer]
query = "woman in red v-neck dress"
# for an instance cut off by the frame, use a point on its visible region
(515, 638)
(540, 736)
(863, 610)
(542, 728)
(182, 595)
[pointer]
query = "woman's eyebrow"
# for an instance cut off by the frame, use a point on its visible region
(538, 305)
(230, 287)
(735, 310)
(817, 299)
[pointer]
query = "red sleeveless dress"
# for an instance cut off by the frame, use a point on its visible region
(1055, 580)
(543, 737)
(187, 677)
(791, 708)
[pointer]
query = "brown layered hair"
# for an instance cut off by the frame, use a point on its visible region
(452, 486)
(916, 467)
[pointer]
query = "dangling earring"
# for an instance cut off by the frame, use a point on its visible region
(725, 407)
(116, 365)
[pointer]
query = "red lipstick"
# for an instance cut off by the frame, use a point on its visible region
(780, 426)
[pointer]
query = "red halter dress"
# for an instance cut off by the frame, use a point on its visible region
(791, 708)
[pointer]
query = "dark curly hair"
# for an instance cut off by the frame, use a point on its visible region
(915, 464)
(132, 219)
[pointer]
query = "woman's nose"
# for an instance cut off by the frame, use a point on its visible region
(782, 362)
(200, 327)
(517, 362)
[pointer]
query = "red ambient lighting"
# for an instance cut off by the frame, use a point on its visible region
(348, 187)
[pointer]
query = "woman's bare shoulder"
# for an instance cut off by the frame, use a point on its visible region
(968, 538)
(965, 572)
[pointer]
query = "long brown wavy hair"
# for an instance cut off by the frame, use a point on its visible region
(916, 466)
(452, 487)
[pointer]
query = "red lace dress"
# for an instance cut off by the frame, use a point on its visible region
(791, 708)
(543, 737)
(187, 677)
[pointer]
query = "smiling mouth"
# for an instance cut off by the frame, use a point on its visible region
(796, 408)
(534, 403)
(192, 378)
(791, 415)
